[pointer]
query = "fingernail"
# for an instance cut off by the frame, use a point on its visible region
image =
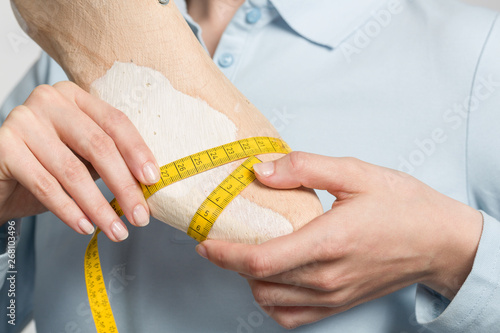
(202, 251)
(119, 231)
(86, 226)
(264, 169)
(141, 217)
(151, 173)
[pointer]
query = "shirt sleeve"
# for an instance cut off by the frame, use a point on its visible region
(476, 307)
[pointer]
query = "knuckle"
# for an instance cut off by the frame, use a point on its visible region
(45, 187)
(140, 149)
(129, 190)
(220, 258)
(339, 299)
(130, 187)
(6, 137)
(356, 165)
(75, 171)
(298, 161)
(67, 209)
(7, 148)
(261, 294)
(68, 89)
(360, 170)
(323, 280)
(101, 210)
(44, 94)
(19, 115)
(352, 160)
(114, 119)
(65, 85)
(259, 265)
(100, 145)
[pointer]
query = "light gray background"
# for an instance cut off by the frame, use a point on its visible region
(18, 52)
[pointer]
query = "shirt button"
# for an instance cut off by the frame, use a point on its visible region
(253, 16)
(226, 60)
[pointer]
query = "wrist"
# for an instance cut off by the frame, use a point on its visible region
(456, 251)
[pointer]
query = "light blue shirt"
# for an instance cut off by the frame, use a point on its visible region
(410, 85)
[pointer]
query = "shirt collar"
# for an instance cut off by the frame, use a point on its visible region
(326, 22)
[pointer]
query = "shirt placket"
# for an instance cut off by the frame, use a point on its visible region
(250, 17)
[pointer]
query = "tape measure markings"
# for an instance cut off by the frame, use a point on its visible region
(208, 159)
(221, 196)
(203, 219)
(96, 289)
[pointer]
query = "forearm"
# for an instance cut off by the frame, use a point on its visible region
(86, 43)
(143, 59)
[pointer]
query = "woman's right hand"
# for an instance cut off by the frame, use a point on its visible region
(52, 147)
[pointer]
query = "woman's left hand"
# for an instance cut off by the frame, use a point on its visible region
(385, 231)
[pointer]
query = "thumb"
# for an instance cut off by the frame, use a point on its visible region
(334, 174)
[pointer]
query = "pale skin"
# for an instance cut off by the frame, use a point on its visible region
(384, 220)
(213, 16)
(385, 231)
(80, 142)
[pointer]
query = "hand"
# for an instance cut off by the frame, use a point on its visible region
(50, 146)
(385, 231)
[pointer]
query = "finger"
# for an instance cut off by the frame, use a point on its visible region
(22, 165)
(277, 294)
(291, 317)
(116, 124)
(275, 256)
(297, 169)
(75, 178)
(315, 276)
(86, 138)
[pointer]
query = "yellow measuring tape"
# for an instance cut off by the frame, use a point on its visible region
(209, 159)
(223, 194)
(204, 217)
(96, 289)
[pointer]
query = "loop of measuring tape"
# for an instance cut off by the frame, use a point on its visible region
(214, 204)
(209, 159)
(203, 219)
